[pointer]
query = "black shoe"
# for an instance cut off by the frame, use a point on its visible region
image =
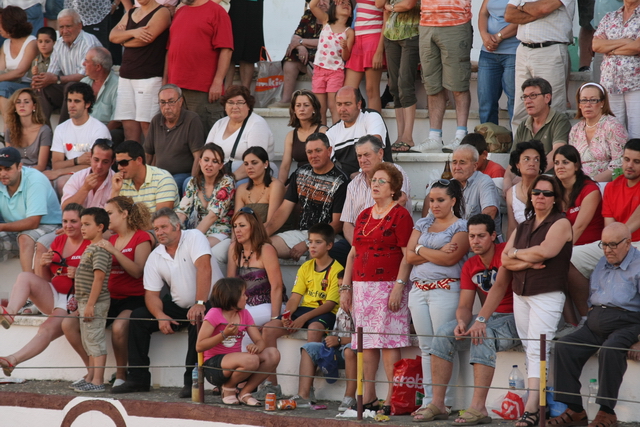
(585, 68)
(185, 392)
(130, 387)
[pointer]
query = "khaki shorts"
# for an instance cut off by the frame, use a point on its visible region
(94, 338)
(445, 58)
(293, 237)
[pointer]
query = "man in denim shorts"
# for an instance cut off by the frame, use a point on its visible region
(492, 330)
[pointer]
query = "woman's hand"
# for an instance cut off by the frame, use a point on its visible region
(376, 62)
(346, 300)
(395, 297)
(46, 258)
(303, 54)
(71, 272)
(106, 245)
(449, 247)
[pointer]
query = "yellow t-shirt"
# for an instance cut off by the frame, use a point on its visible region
(316, 287)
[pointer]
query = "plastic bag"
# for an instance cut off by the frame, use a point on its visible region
(511, 405)
(407, 397)
(269, 82)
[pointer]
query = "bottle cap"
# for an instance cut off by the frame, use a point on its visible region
(515, 366)
(593, 380)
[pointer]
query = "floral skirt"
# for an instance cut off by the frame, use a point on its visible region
(382, 328)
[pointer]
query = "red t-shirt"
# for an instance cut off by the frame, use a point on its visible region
(494, 170)
(593, 232)
(471, 278)
(620, 201)
(61, 282)
(196, 36)
(121, 284)
(379, 253)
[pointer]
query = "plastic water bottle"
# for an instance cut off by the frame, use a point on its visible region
(195, 388)
(592, 406)
(516, 379)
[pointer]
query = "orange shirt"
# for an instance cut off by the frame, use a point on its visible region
(444, 13)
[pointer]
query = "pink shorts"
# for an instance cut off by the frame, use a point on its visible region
(326, 81)
(362, 52)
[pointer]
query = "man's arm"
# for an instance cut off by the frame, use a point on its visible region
(155, 307)
(464, 313)
(74, 193)
(224, 61)
(29, 223)
(336, 223)
(280, 217)
(196, 163)
(203, 285)
(492, 211)
(530, 11)
(63, 166)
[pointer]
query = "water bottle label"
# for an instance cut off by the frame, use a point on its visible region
(512, 383)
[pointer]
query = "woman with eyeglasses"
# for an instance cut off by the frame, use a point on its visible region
(49, 289)
(599, 136)
(374, 289)
(253, 259)
(538, 254)
(130, 246)
(26, 129)
(527, 161)
(241, 129)
(305, 119)
(207, 204)
(583, 208)
(438, 248)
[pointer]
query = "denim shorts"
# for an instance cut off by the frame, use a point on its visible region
(313, 350)
(501, 329)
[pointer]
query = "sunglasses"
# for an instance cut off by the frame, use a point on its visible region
(62, 263)
(248, 210)
(124, 162)
(105, 141)
(486, 280)
(442, 181)
(545, 193)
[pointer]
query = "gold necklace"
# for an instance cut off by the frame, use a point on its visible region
(384, 214)
(259, 198)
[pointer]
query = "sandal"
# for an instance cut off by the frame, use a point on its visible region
(430, 413)
(530, 419)
(374, 405)
(384, 410)
(249, 400)
(401, 147)
(5, 318)
(7, 367)
(231, 399)
(472, 417)
(603, 419)
(569, 418)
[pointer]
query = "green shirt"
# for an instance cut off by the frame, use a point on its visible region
(556, 129)
(402, 25)
(105, 106)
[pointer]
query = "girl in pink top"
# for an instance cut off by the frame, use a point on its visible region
(220, 338)
(334, 48)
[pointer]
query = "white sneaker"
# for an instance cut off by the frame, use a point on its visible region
(452, 145)
(429, 145)
(347, 403)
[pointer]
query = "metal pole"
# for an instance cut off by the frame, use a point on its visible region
(543, 380)
(360, 365)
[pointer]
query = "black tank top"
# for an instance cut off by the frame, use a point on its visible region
(146, 61)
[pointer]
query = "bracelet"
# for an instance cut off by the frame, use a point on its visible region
(417, 249)
(75, 161)
(402, 282)
(515, 254)
(224, 337)
(274, 318)
(345, 288)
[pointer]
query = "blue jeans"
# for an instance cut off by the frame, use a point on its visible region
(496, 72)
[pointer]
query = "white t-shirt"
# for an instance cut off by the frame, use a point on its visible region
(74, 140)
(255, 133)
(179, 272)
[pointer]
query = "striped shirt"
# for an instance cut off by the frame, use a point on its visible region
(359, 196)
(444, 13)
(158, 187)
(67, 60)
(368, 18)
(555, 27)
(93, 258)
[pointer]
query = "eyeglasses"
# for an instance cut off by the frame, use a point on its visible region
(170, 102)
(380, 181)
(248, 210)
(545, 193)
(486, 280)
(531, 96)
(592, 101)
(612, 246)
(238, 103)
(124, 162)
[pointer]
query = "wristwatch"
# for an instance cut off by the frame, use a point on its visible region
(499, 35)
(199, 302)
(300, 42)
(481, 319)
(59, 81)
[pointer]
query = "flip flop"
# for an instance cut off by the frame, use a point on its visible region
(401, 147)
(430, 413)
(248, 400)
(472, 417)
(5, 318)
(7, 367)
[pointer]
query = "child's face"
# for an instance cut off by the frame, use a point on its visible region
(90, 230)
(317, 246)
(242, 303)
(45, 44)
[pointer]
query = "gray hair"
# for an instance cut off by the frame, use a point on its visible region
(469, 149)
(72, 13)
(102, 57)
(376, 143)
(168, 213)
(171, 86)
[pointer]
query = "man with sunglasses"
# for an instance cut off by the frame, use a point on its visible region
(613, 322)
(485, 334)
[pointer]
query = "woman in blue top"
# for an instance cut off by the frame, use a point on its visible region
(437, 249)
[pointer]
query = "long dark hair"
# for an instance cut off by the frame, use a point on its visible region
(529, 211)
(571, 153)
(454, 189)
(217, 150)
(260, 153)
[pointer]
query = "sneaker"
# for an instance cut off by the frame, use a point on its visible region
(118, 382)
(185, 392)
(261, 394)
(79, 383)
(301, 402)
(279, 104)
(347, 403)
(90, 388)
(130, 387)
(312, 395)
(452, 145)
(429, 145)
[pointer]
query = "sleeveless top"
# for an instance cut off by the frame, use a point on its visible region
(517, 206)
(258, 286)
(297, 150)
(329, 53)
(553, 277)
(260, 209)
(146, 61)
(13, 63)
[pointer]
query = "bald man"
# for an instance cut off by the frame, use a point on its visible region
(613, 320)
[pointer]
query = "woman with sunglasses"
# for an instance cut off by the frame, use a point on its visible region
(438, 248)
(207, 204)
(305, 119)
(253, 259)
(49, 289)
(377, 296)
(583, 208)
(538, 254)
(527, 161)
(599, 136)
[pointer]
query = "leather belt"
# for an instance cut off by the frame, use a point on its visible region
(539, 45)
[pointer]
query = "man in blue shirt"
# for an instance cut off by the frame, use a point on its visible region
(29, 208)
(613, 322)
